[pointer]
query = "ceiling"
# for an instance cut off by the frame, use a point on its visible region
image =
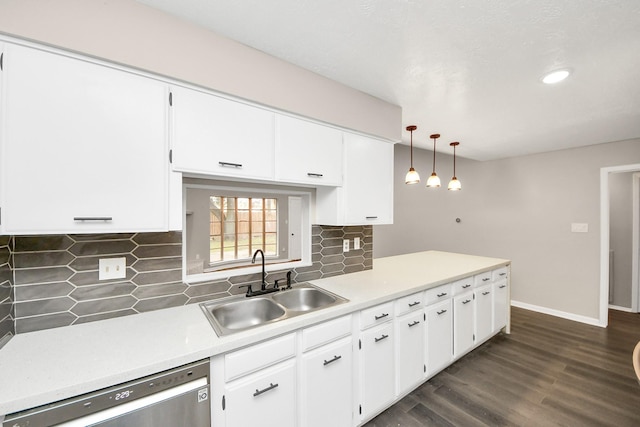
(467, 69)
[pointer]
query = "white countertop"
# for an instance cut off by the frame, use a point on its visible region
(45, 366)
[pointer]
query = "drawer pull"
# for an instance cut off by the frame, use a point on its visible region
(230, 165)
(264, 390)
(314, 175)
(502, 286)
(502, 274)
(486, 293)
(371, 217)
(486, 278)
(414, 323)
(381, 338)
(467, 301)
(382, 316)
(326, 362)
(441, 312)
(413, 304)
(441, 295)
(466, 286)
(93, 218)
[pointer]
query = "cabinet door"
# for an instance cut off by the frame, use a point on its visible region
(377, 369)
(410, 351)
(326, 386)
(368, 180)
(500, 305)
(439, 342)
(84, 147)
(217, 136)
(307, 153)
(266, 398)
(484, 313)
(462, 324)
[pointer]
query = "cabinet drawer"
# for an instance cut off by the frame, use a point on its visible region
(499, 274)
(482, 278)
(258, 356)
(375, 315)
(410, 302)
(438, 294)
(326, 332)
(463, 285)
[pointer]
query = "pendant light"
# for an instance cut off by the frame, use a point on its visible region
(434, 180)
(412, 176)
(454, 184)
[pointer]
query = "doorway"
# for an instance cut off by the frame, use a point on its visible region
(605, 236)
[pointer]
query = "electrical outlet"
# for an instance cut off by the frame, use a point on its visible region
(356, 243)
(112, 268)
(345, 245)
(577, 227)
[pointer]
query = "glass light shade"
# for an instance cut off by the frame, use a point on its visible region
(454, 184)
(433, 181)
(555, 77)
(412, 177)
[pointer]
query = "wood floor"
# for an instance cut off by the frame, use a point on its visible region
(548, 372)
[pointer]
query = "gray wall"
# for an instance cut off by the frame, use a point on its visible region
(518, 208)
(127, 32)
(620, 223)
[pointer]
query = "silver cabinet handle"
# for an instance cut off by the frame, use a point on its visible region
(485, 279)
(371, 217)
(230, 165)
(93, 218)
(414, 323)
(486, 293)
(502, 287)
(383, 315)
(465, 286)
(381, 338)
(441, 295)
(466, 301)
(264, 390)
(441, 312)
(314, 175)
(326, 362)
(413, 304)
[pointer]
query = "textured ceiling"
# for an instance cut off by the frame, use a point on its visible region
(467, 69)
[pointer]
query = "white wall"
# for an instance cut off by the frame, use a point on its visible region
(130, 33)
(518, 208)
(620, 223)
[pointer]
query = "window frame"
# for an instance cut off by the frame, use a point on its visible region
(232, 189)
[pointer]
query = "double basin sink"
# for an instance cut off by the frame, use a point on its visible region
(238, 313)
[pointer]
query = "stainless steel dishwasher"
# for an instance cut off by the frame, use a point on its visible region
(177, 397)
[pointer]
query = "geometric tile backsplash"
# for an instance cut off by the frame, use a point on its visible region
(52, 281)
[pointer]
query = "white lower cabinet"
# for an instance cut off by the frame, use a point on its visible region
(266, 398)
(326, 386)
(463, 327)
(483, 313)
(410, 361)
(439, 336)
(500, 305)
(377, 369)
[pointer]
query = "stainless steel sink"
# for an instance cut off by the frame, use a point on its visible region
(238, 313)
(304, 299)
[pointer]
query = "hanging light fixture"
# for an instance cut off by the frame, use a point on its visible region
(434, 180)
(454, 184)
(412, 176)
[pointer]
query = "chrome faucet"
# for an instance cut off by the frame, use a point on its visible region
(263, 284)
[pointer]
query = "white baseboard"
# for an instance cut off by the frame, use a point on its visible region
(617, 307)
(558, 313)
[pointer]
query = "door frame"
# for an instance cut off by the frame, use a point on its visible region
(603, 319)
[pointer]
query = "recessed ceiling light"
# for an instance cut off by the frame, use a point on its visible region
(555, 76)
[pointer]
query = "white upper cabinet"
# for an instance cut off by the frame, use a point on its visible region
(307, 153)
(366, 196)
(217, 136)
(84, 146)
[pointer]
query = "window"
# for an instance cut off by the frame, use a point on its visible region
(225, 224)
(241, 225)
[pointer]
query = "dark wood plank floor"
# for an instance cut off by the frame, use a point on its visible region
(548, 372)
